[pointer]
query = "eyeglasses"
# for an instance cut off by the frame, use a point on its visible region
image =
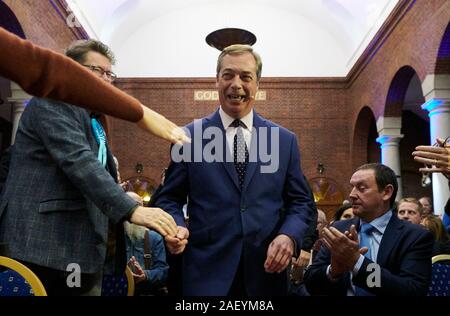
(101, 72)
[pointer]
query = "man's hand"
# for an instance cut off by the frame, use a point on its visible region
(344, 249)
(303, 259)
(158, 125)
(136, 270)
(177, 244)
(156, 219)
(438, 157)
(279, 254)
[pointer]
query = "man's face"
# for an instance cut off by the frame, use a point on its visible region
(426, 206)
(367, 202)
(237, 84)
(348, 214)
(321, 222)
(98, 60)
(409, 212)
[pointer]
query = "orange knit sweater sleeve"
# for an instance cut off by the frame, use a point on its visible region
(44, 73)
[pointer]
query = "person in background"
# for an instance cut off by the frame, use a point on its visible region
(147, 257)
(427, 206)
(401, 250)
(344, 212)
(441, 238)
(409, 209)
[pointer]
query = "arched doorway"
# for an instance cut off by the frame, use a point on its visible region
(9, 21)
(416, 131)
(443, 57)
(405, 127)
(365, 148)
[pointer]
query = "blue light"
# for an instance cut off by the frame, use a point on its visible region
(431, 105)
(383, 139)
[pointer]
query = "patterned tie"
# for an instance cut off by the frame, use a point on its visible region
(364, 241)
(240, 151)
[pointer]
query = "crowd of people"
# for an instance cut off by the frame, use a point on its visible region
(61, 194)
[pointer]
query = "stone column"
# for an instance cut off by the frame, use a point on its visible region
(436, 90)
(389, 139)
(19, 100)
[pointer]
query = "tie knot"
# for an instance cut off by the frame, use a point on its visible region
(367, 228)
(237, 123)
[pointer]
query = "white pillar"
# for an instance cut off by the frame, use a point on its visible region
(18, 99)
(389, 139)
(436, 89)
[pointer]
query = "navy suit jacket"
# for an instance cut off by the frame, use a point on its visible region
(226, 222)
(404, 257)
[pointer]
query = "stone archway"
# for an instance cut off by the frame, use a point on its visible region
(364, 148)
(397, 137)
(443, 57)
(9, 21)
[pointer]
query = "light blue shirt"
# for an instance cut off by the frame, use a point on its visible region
(380, 224)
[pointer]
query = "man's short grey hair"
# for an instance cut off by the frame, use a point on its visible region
(238, 49)
(79, 49)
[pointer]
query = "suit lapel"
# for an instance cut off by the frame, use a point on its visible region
(214, 120)
(389, 239)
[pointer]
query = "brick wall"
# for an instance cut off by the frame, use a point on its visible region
(322, 112)
(308, 108)
(42, 24)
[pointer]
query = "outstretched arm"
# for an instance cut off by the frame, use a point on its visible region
(47, 74)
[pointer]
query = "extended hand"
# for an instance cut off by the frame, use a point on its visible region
(177, 244)
(156, 219)
(158, 125)
(438, 157)
(279, 254)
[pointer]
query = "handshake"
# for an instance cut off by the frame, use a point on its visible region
(155, 218)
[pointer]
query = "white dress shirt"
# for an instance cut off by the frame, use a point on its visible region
(231, 131)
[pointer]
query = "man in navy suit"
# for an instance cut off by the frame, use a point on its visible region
(247, 210)
(400, 249)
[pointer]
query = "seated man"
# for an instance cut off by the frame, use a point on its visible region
(147, 257)
(401, 251)
(409, 209)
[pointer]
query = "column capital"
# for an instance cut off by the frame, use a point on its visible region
(436, 106)
(389, 140)
(436, 87)
(389, 131)
(18, 95)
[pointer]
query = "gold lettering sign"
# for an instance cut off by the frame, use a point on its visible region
(213, 95)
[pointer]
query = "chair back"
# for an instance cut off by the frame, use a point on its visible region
(18, 280)
(114, 285)
(440, 276)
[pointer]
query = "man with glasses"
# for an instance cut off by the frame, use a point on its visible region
(61, 208)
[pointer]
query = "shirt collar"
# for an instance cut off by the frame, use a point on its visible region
(227, 120)
(380, 223)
